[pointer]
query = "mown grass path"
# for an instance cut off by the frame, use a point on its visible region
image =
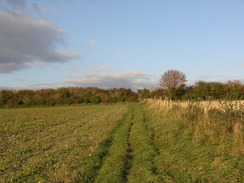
(129, 155)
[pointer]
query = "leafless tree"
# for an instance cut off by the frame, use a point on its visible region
(172, 79)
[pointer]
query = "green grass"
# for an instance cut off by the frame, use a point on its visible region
(53, 144)
(115, 144)
(143, 168)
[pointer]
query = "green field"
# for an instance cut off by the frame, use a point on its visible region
(112, 144)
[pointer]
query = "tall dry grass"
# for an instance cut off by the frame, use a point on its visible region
(213, 120)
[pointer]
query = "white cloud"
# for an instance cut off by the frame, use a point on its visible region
(25, 40)
(133, 80)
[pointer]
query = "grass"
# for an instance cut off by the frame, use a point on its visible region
(53, 144)
(130, 157)
(121, 143)
(143, 168)
(196, 148)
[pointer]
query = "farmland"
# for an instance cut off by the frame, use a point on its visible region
(52, 144)
(120, 143)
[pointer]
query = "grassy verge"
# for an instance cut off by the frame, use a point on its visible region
(193, 148)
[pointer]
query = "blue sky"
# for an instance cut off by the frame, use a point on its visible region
(112, 43)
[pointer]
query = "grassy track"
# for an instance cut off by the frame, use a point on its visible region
(130, 156)
(111, 144)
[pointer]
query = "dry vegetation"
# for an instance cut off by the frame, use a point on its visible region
(214, 119)
(206, 105)
(195, 147)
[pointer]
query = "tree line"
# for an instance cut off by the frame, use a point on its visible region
(65, 96)
(172, 87)
(201, 90)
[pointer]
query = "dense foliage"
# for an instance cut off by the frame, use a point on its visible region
(65, 96)
(201, 90)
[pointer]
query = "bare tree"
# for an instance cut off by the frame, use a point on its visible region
(172, 79)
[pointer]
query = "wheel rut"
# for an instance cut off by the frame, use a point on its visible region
(99, 157)
(131, 145)
(152, 144)
(129, 152)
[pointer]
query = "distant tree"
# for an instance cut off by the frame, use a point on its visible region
(236, 90)
(6, 96)
(171, 80)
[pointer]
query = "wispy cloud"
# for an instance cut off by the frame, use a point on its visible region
(20, 6)
(240, 64)
(210, 76)
(220, 78)
(101, 68)
(133, 80)
(13, 4)
(73, 69)
(125, 51)
(92, 42)
(20, 79)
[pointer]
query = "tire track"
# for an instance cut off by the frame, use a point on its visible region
(116, 163)
(142, 139)
(99, 156)
(129, 152)
(152, 144)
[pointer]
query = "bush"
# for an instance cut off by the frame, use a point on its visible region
(95, 100)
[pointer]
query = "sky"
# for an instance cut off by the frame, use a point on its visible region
(119, 43)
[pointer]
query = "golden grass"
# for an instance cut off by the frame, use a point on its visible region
(214, 119)
(206, 105)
